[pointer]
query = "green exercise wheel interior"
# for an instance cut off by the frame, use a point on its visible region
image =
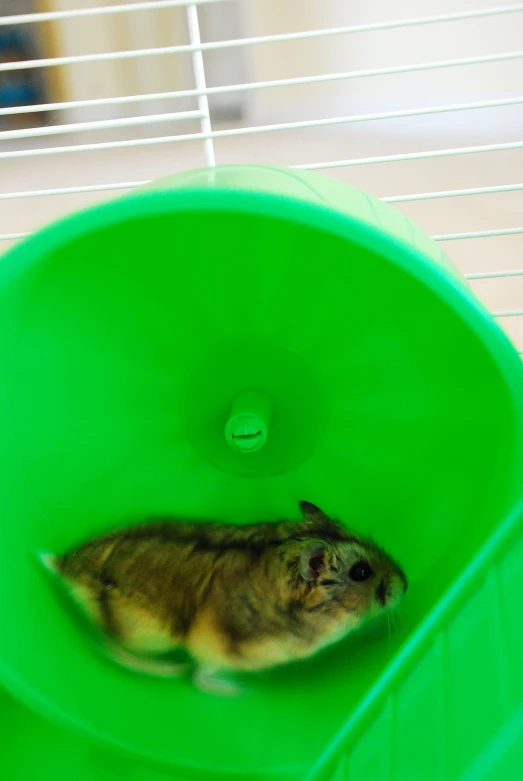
(223, 344)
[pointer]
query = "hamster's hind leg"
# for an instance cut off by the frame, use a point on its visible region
(158, 667)
(137, 639)
(208, 680)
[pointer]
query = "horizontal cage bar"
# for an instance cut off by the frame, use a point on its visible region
(478, 234)
(237, 42)
(12, 236)
(297, 81)
(504, 188)
(105, 124)
(50, 16)
(90, 188)
(268, 128)
(517, 272)
(387, 199)
(464, 150)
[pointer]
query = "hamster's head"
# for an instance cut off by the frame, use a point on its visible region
(347, 577)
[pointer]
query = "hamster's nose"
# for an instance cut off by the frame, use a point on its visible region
(389, 592)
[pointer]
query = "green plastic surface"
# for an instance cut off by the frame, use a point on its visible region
(128, 333)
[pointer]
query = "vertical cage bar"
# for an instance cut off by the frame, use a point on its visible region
(200, 84)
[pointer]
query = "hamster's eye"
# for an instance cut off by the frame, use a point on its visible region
(360, 571)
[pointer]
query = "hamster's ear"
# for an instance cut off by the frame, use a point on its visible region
(311, 512)
(312, 560)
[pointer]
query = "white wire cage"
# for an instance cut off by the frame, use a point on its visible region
(64, 165)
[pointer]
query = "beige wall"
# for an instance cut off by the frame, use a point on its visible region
(382, 49)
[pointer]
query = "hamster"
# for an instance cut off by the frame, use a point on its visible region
(236, 598)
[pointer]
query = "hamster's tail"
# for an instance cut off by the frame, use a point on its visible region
(48, 561)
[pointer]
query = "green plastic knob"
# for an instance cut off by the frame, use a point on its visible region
(248, 425)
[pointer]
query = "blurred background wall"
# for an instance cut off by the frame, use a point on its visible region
(381, 49)
(245, 18)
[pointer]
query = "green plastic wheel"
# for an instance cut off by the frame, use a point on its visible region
(221, 345)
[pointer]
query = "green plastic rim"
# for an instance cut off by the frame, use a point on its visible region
(367, 375)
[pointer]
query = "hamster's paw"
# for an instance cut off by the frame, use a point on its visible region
(207, 680)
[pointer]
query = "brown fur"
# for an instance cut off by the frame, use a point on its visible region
(244, 598)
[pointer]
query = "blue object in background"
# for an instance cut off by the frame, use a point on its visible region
(11, 40)
(17, 94)
(17, 88)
